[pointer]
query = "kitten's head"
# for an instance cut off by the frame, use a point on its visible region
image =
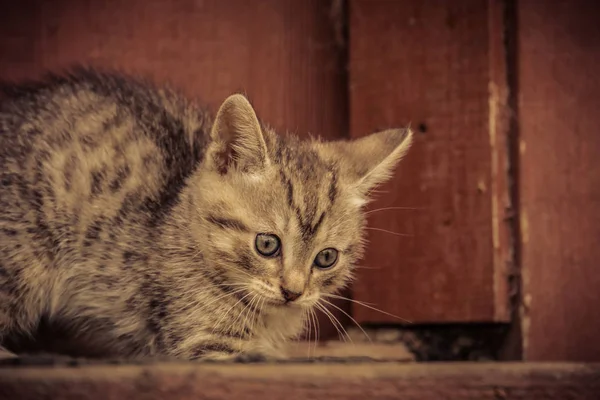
(282, 219)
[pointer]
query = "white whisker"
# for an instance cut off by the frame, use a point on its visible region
(367, 305)
(336, 324)
(390, 232)
(349, 316)
(392, 208)
(228, 311)
(317, 330)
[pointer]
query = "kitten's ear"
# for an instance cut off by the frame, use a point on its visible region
(372, 158)
(237, 137)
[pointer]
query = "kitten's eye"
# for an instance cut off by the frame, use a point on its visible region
(326, 258)
(267, 245)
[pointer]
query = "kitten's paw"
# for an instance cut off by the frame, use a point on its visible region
(216, 356)
(254, 357)
(245, 358)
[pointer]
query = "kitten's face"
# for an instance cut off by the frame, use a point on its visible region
(281, 219)
(290, 233)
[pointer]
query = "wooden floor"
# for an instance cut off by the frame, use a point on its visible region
(333, 379)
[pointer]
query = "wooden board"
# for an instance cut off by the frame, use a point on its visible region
(437, 65)
(559, 86)
(284, 54)
(384, 380)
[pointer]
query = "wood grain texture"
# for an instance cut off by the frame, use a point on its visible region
(305, 381)
(503, 178)
(559, 86)
(284, 54)
(430, 64)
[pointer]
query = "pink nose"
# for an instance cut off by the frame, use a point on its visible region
(288, 295)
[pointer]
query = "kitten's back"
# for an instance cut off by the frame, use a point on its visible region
(94, 143)
(90, 163)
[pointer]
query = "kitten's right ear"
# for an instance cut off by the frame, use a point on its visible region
(237, 138)
(377, 154)
(370, 160)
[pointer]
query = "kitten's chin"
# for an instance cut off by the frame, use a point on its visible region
(277, 304)
(282, 305)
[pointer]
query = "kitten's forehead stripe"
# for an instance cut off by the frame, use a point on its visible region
(227, 223)
(333, 187)
(287, 183)
(305, 166)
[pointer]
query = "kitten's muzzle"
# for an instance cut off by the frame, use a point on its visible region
(289, 295)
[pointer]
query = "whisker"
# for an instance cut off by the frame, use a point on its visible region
(246, 308)
(317, 330)
(250, 311)
(349, 316)
(377, 191)
(329, 313)
(231, 285)
(223, 296)
(335, 296)
(257, 313)
(324, 311)
(245, 273)
(392, 208)
(386, 231)
(362, 303)
(308, 330)
(228, 311)
(198, 253)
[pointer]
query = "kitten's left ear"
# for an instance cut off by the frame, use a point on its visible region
(238, 140)
(371, 159)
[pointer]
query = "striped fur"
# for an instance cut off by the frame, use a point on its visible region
(129, 215)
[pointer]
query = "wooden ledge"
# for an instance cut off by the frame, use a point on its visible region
(317, 380)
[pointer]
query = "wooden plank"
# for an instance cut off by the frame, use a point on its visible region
(436, 65)
(284, 54)
(383, 380)
(18, 44)
(559, 92)
(503, 175)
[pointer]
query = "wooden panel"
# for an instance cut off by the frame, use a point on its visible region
(559, 86)
(283, 54)
(438, 65)
(19, 28)
(319, 381)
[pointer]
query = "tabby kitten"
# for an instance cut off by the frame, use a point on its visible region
(148, 228)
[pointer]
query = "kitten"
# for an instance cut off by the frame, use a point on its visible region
(148, 228)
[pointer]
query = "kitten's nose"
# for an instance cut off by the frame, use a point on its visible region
(288, 295)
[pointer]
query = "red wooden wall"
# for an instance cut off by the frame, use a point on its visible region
(478, 215)
(559, 125)
(434, 64)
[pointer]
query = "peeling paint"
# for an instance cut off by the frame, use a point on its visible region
(522, 147)
(493, 104)
(524, 226)
(527, 298)
(525, 322)
(481, 186)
